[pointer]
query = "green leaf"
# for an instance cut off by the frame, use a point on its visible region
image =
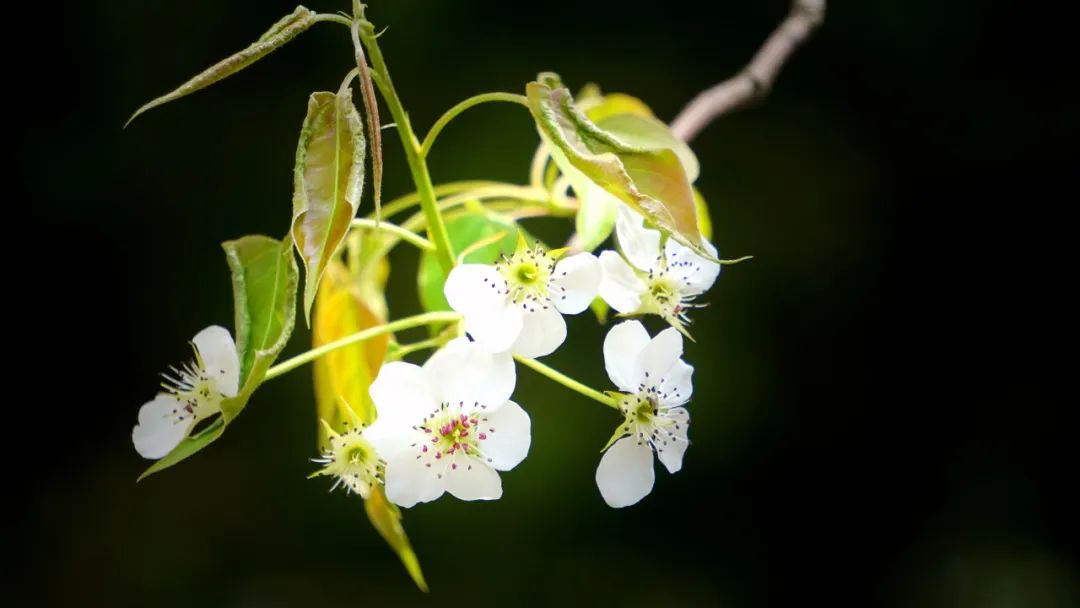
(278, 35)
(465, 230)
(649, 133)
(386, 518)
(651, 180)
(327, 182)
(264, 291)
(187, 447)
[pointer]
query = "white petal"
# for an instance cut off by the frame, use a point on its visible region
(640, 245)
(497, 328)
(619, 286)
(694, 273)
(218, 353)
(508, 444)
(577, 279)
(677, 387)
(625, 474)
(402, 395)
(472, 480)
(474, 288)
(543, 330)
(409, 480)
(623, 344)
(671, 454)
(660, 355)
(158, 430)
(467, 373)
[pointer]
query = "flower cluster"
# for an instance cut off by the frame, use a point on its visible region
(450, 425)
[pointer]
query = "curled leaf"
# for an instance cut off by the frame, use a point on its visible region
(328, 180)
(278, 35)
(649, 178)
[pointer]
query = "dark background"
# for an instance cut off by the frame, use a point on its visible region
(877, 418)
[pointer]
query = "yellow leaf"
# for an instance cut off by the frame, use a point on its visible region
(386, 518)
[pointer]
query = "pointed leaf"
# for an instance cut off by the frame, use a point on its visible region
(278, 35)
(386, 518)
(343, 377)
(264, 293)
(327, 182)
(465, 231)
(652, 181)
(187, 447)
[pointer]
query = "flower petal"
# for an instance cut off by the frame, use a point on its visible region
(671, 452)
(623, 344)
(496, 328)
(507, 435)
(625, 474)
(474, 288)
(576, 281)
(409, 480)
(467, 373)
(402, 395)
(640, 245)
(677, 388)
(159, 430)
(694, 273)
(660, 355)
(619, 286)
(219, 359)
(472, 480)
(543, 330)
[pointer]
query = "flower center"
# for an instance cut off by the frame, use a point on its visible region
(527, 274)
(451, 432)
(664, 297)
(193, 388)
(645, 420)
(353, 461)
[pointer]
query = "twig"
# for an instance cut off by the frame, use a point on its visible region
(755, 80)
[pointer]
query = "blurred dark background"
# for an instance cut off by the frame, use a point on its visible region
(877, 418)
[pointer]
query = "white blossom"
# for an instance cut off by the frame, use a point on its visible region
(517, 304)
(648, 279)
(448, 426)
(351, 460)
(193, 392)
(655, 384)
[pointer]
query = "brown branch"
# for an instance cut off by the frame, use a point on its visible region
(755, 80)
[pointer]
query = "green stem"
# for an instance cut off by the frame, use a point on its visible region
(435, 226)
(567, 381)
(410, 200)
(407, 349)
(403, 234)
(331, 18)
(372, 332)
(461, 107)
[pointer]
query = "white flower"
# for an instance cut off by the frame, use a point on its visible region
(448, 426)
(351, 460)
(193, 392)
(654, 281)
(517, 304)
(656, 383)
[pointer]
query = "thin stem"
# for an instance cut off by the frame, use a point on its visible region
(461, 107)
(331, 18)
(539, 163)
(567, 381)
(755, 80)
(412, 199)
(405, 235)
(437, 233)
(372, 332)
(408, 349)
